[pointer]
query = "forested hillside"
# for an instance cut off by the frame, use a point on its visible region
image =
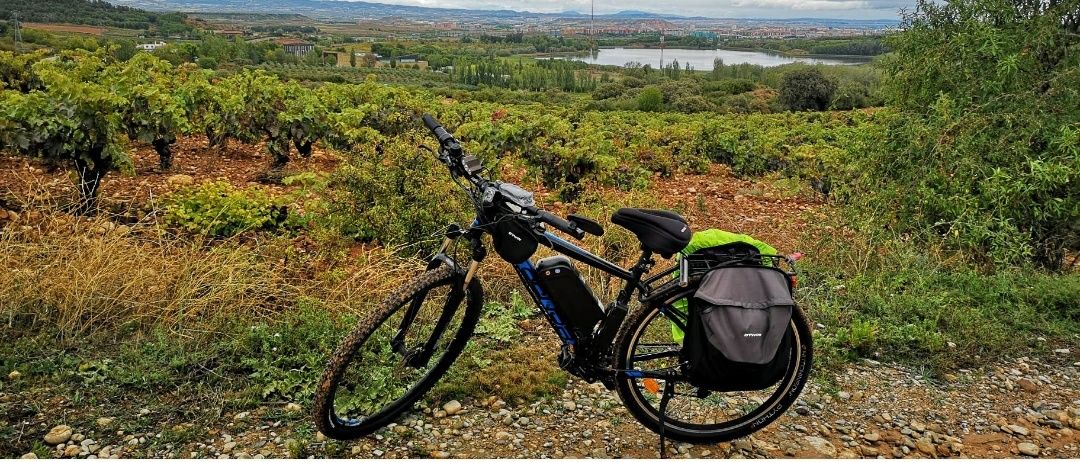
(91, 12)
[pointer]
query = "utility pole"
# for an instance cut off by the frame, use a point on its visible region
(592, 27)
(661, 48)
(18, 32)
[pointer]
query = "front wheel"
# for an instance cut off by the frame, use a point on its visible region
(397, 353)
(694, 415)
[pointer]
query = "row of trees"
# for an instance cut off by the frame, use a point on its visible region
(97, 13)
(84, 109)
(562, 75)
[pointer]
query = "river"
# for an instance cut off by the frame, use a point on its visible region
(702, 60)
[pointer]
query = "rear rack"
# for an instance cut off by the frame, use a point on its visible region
(691, 268)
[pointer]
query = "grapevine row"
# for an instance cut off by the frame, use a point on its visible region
(83, 109)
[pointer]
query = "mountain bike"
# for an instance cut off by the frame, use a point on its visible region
(401, 349)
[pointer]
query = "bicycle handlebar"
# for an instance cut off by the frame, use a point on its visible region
(448, 143)
(559, 223)
(437, 129)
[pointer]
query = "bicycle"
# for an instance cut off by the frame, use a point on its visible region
(435, 314)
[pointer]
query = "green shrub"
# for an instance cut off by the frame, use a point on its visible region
(609, 90)
(893, 301)
(806, 90)
(984, 153)
(729, 86)
(395, 195)
(218, 209)
(651, 99)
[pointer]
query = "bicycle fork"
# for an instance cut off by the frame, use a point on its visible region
(419, 358)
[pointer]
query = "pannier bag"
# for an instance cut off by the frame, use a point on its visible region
(704, 242)
(737, 335)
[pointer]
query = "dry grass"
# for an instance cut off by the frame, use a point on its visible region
(83, 280)
(86, 276)
(83, 276)
(71, 28)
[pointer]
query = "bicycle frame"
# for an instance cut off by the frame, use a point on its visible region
(527, 272)
(572, 347)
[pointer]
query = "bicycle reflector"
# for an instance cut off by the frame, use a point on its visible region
(651, 385)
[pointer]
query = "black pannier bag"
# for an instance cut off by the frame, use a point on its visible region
(737, 334)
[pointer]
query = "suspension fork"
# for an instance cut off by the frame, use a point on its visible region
(421, 358)
(440, 258)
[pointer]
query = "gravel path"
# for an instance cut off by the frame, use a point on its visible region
(1020, 407)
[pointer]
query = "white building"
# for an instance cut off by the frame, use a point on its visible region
(150, 46)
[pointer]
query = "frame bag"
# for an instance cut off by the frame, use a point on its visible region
(513, 241)
(738, 336)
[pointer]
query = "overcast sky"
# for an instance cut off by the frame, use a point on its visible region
(848, 9)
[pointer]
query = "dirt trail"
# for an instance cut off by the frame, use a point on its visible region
(1018, 407)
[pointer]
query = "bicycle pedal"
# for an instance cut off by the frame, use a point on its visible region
(415, 358)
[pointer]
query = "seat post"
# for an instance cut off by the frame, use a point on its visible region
(616, 312)
(644, 263)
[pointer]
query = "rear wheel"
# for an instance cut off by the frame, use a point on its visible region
(397, 353)
(694, 415)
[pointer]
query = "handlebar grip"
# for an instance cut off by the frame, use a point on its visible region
(437, 129)
(561, 224)
(430, 122)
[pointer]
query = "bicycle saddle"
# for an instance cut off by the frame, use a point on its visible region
(659, 231)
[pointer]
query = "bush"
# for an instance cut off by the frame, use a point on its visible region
(650, 99)
(396, 195)
(217, 209)
(890, 300)
(983, 153)
(806, 90)
(729, 86)
(609, 90)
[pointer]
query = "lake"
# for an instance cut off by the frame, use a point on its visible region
(702, 60)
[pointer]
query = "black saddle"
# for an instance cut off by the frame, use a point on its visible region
(659, 231)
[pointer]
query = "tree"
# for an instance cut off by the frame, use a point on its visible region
(73, 119)
(806, 90)
(352, 58)
(152, 112)
(304, 117)
(259, 117)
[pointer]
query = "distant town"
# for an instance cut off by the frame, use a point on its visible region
(409, 22)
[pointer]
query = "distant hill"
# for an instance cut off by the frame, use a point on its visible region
(88, 12)
(330, 9)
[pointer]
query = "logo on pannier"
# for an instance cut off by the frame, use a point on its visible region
(752, 334)
(513, 236)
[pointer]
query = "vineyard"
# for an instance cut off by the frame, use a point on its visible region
(146, 100)
(186, 234)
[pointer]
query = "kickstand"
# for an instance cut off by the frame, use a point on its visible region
(669, 390)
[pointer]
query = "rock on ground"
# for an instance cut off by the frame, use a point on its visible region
(58, 434)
